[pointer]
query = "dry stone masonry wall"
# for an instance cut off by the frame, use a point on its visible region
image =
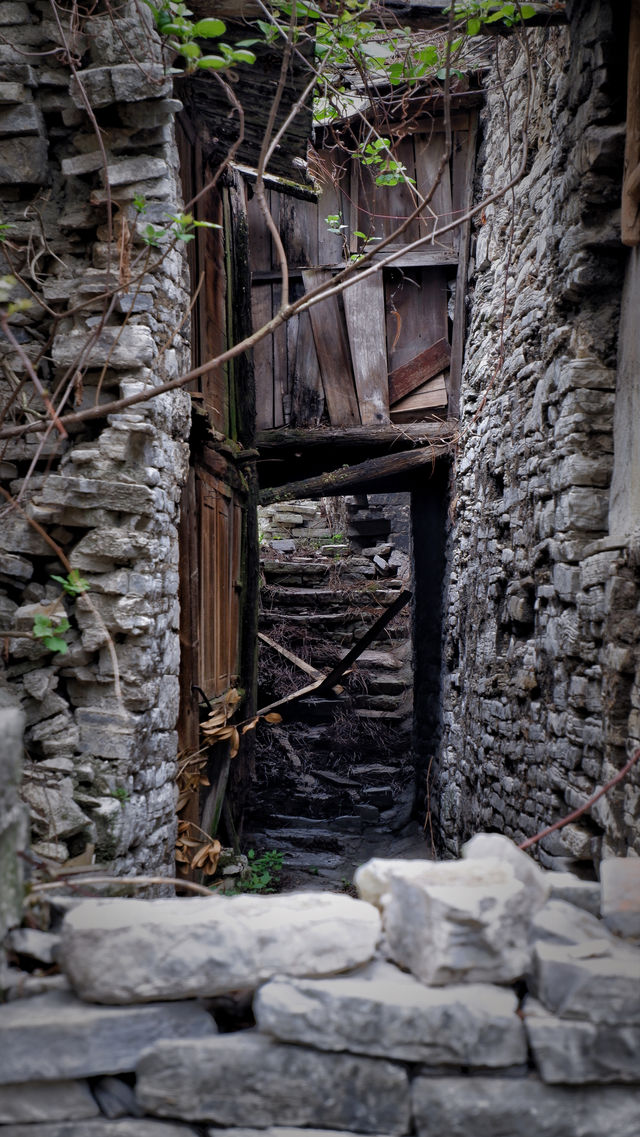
(540, 689)
(461, 998)
(99, 776)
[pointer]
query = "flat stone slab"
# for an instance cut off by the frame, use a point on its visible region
(385, 1012)
(583, 893)
(248, 1079)
(46, 1101)
(559, 922)
(128, 951)
(597, 980)
(620, 886)
(128, 1127)
(521, 1107)
(454, 921)
(574, 1052)
(97, 1040)
(487, 846)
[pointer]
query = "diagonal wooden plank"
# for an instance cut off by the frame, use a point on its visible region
(333, 353)
(365, 314)
(417, 371)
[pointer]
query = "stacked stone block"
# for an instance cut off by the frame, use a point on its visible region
(351, 1034)
(100, 720)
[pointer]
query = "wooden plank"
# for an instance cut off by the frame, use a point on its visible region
(364, 311)
(465, 160)
(280, 368)
(354, 478)
(630, 203)
(259, 238)
(307, 392)
(418, 371)
(301, 664)
(334, 358)
(332, 201)
(298, 230)
(429, 154)
(261, 312)
(369, 636)
(424, 257)
(188, 721)
(417, 317)
(431, 396)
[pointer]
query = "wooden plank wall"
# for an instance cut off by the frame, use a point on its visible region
(335, 363)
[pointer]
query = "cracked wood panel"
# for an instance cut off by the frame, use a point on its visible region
(365, 316)
(220, 516)
(334, 356)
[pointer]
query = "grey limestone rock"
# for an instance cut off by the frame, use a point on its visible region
(97, 1040)
(620, 885)
(120, 348)
(385, 1012)
(575, 1052)
(23, 160)
(501, 1107)
(583, 893)
(458, 921)
(100, 1127)
(597, 980)
(495, 845)
(121, 951)
(46, 1101)
(247, 1079)
(563, 923)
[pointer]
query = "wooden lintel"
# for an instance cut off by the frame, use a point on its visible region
(396, 438)
(352, 479)
(424, 367)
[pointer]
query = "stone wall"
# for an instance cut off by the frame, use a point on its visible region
(496, 1000)
(541, 632)
(100, 740)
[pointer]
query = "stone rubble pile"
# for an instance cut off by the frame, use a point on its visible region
(393, 1014)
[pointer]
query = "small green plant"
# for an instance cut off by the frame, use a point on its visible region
(51, 633)
(73, 584)
(121, 794)
(263, 874)
(384, 167)
(172, 21)
(181, 229)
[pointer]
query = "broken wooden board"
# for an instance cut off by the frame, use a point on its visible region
(296, 660)
(307, 392)
(430, 153)
(418, 371)
(333, 353)
(417, 317)
(364, 311)
(431, 396)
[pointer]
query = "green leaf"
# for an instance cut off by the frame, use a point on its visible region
(243, 56)
(473, 27)
(376, 50)
(212, 62)
(190, 50)
(209, 29)
(55, 643)
(527, 11)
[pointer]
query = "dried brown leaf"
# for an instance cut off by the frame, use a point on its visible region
(273, 717)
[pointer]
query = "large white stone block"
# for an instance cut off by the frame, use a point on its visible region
(123, 951)
(248, 1079)
(495, 846)
(620, 884)
(457, 921)
(383, 1011)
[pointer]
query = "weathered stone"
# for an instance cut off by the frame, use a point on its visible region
(97, 1040)
(82, 163)
(100, 1127)
(46, 1101)
(247, 1079)
(116, 1098)
(134, 170)
(54, 813)
(126, 82)
(385, 1012)
(373, 879)
(488, 1107)
(23, 119)
(120, 348)
(575, 1052)
(581, 893)
(495, 845)
(23, 160)
(277, 1131)
(459, 921)
(563, 923)
(598, 980)
(39, 946)
(620, 884)
(232, 942)
(84, 492)
(13, 827)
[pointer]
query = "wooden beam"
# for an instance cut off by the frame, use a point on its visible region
(417, 371)
(295, 659)
(390, 437)
(352, 479)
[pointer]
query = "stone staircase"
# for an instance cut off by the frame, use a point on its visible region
(335, 781)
